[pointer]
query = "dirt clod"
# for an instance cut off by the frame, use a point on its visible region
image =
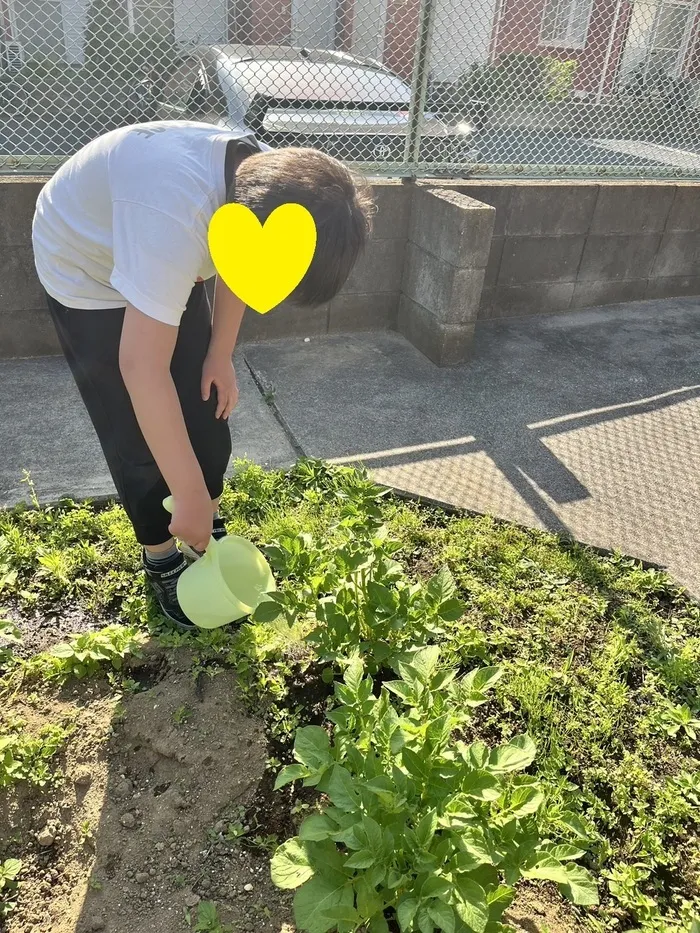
(46, 837)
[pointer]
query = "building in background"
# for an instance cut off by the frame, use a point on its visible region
(609, 40)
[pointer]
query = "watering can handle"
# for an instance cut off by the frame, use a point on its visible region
(169, 505)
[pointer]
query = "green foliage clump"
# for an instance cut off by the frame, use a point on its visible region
(419, 825)
(25, 757)
(10, 871)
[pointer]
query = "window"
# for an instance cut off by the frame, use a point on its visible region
(657, 40)
(668, 40)
(565, 23)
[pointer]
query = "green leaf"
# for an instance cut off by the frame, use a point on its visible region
(312, 747)
(378, 924)
(362, 859)
(343, 914)
(353, 675)
(373, 831)
(406, 911)
(517, 755)
(64, 651)
(290, 773)
(316, 828)
(425, 662)
(10, 869)
(564, 853)
(476, 754)
(476, 850)
(382, 596)
(439, 731)
(424, 921)
(425, 830)
(581, 887)
(500, 900)
(482, 678)
(575, 824)
(290, 865)
(435, 886)
(481, 785)
(525, 801)
(416, 766)
(442, 916)
(369, 902)
(451, 610)
(545, 868)
(267, 611)
(441, 587)
(402, 690)
(324, 892)
(339, 786)
(471, 907)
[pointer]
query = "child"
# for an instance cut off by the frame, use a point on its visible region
(120, 245)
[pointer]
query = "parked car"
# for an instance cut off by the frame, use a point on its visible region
(354, 109)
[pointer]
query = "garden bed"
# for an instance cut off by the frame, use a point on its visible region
(140, 789)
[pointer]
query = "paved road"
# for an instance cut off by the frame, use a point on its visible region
(582, 423)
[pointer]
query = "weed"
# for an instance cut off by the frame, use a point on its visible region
(9, 637)
(89, 654)
(182, 715)
(679, 720)
(207, 920)
(10, 871)
(28, 758)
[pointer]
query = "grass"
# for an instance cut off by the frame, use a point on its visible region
(601, 659)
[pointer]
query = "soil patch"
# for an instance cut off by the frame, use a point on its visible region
(139, 822)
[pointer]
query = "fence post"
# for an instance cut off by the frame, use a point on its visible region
(419, 82)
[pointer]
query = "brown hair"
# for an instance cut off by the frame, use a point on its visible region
(338, 201)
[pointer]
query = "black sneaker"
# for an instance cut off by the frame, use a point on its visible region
(163, 580)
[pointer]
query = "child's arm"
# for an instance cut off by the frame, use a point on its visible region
(218, 369)
(145, 354)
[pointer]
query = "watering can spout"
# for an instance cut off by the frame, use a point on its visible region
(226, 584)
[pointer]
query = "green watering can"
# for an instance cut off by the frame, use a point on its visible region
(226, 584)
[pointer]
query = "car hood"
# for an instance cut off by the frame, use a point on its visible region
(307, 80)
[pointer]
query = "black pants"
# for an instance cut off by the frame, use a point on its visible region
(90, 342)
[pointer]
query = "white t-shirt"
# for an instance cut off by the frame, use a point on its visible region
(126, 218)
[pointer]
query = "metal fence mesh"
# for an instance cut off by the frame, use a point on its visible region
(461, 87)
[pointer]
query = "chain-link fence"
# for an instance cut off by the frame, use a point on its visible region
(458, 87)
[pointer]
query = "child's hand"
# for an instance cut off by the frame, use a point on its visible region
(193, 518)
(218, 371)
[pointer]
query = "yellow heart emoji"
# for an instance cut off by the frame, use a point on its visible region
(262, 264)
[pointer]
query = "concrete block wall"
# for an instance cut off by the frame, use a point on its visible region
(443, 254)
(25, 326)
(369, 300)
(446, 256)
(560, 246)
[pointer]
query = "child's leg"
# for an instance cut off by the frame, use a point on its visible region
(90, 340)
